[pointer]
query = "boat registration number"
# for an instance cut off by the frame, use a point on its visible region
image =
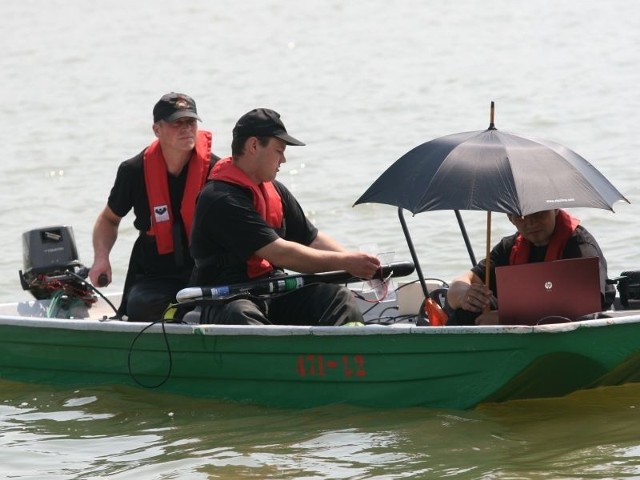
(346, 366)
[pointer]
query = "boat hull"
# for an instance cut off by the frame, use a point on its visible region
(299, 367)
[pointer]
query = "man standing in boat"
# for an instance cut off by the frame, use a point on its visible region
(249, 226)
(161, 184)
(542, 236)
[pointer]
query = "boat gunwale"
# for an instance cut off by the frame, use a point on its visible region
(112, 325)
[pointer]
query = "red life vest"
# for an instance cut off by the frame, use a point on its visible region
(155, 179)
(565, 226)
(266, 201)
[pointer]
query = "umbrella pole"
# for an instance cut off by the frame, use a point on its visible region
(465, 237)
(412, 251)
(487, 270)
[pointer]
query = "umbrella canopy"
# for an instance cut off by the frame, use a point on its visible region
(491, 170)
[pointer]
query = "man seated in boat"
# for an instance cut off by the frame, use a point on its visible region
(161, 184)
(543, 236)
(249, 226)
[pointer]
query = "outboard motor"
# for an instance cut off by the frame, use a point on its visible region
(52, 270)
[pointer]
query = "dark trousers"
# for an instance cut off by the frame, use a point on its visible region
(320, 304)
(150, 295)
(462, 317)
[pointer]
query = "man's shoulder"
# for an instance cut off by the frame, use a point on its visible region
(222, 193)
(221, 188)
(582, 232)
(508, 241)
(285, 194)
(130, 172)
(582, 235)
(133, 163)
(281, 187)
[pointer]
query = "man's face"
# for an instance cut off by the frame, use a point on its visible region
(269, 158)
(537, 227)
(179, 135)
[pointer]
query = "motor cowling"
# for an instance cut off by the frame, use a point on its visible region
(51, 267)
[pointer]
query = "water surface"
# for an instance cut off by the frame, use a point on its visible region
(361, 83)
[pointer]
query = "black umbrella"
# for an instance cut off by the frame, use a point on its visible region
(490, 170)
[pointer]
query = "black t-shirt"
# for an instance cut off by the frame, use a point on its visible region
(129, 191)
(580, 244)
(227, 230)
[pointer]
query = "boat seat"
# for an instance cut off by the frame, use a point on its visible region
(193, 316)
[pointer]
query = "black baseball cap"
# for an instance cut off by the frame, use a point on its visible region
(173, 106)
(263, 122)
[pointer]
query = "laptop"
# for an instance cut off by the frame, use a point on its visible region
(548, 292)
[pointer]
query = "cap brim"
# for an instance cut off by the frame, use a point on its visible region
(289, 140)
(182, 114)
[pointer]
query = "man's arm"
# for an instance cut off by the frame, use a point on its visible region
(325, 242)
(105, 233)
(300, 258)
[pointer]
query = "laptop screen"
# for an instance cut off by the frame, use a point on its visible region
(548, 292)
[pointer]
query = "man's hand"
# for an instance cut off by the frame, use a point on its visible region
(362, 265)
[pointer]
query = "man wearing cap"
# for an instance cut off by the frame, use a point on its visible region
(249, 226)
(161, 184)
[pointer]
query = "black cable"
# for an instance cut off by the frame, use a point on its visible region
(84, 281)
(166, 341)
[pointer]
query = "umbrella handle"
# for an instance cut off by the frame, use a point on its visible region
(487, 264)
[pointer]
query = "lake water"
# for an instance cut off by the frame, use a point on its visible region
(361, 83)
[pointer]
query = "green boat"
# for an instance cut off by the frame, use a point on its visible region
(68, 335)
(396, 365)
